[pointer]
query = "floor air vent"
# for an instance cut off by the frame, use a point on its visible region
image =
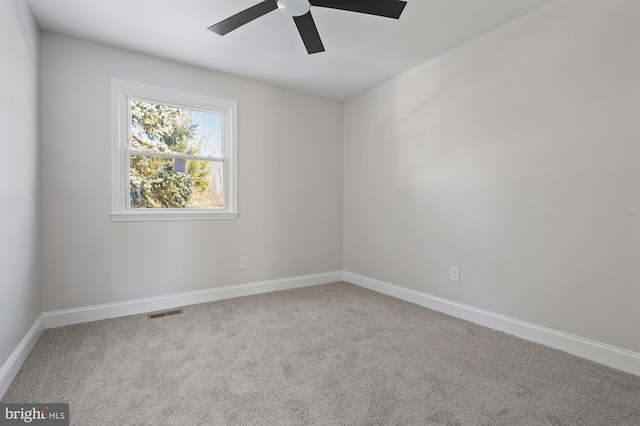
(164, 314)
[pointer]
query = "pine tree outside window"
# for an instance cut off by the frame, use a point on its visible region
(174, 154)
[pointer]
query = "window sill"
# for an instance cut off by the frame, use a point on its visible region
(170, 215)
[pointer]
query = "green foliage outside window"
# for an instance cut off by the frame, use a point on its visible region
(153, 181)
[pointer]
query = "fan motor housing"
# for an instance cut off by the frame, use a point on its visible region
(294, 7)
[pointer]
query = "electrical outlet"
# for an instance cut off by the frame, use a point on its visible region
(244, 262)
(455, 274)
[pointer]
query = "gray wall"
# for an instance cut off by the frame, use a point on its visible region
(517, 158)
(290, 185)
(20, 291)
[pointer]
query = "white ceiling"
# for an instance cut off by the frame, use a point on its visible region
(361, 50)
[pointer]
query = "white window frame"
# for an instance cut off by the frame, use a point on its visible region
(122, 91)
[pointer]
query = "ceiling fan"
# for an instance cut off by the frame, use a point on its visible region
(301, 13)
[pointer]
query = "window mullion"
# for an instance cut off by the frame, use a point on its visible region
(172, 155)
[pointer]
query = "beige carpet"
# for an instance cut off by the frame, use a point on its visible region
(333, 354)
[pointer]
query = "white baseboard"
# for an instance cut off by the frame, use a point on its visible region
(140, 306)
(10, 368)
(611, 356)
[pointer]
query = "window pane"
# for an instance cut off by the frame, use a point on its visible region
(164, 128)
(209, 133)
(208, 178)
(156, 182)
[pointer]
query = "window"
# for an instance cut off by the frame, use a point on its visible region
(174, 154)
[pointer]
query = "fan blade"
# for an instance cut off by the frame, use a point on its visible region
(247, 15)
(386, 8)
(309, 33)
